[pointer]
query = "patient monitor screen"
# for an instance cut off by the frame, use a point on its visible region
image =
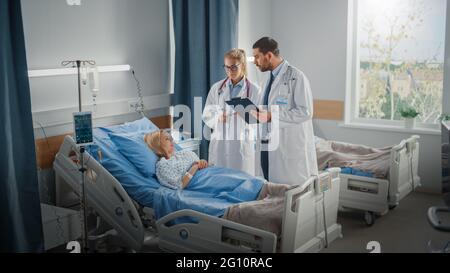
(83, 127)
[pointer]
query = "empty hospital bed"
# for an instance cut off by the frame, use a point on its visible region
(303, 222)
(376, 196)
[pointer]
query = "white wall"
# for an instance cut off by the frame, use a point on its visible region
(255, 22)
(134, 32)
(313, 37)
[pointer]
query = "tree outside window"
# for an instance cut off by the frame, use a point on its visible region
(401, 58)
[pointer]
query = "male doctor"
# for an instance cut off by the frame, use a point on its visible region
(287, 100)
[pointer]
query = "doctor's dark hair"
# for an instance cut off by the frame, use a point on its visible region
(267, 44)
(238, 55)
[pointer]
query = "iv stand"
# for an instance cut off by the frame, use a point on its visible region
(82, 169)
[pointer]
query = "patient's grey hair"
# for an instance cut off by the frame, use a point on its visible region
(153, 141)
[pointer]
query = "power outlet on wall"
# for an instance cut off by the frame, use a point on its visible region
(73, 2)
(133, 105)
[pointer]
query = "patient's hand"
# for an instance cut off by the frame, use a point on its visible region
(202, 164)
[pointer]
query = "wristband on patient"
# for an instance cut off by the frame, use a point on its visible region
(188, 175)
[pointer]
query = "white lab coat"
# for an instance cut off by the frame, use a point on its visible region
(233, 143)
(294, 160)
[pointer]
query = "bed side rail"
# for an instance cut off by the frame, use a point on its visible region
(299, 211)
(403, 171)
(210, 233)
(308, 186)
(413, 140)
(103, 193)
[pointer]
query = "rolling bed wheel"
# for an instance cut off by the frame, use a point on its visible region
(369, 218)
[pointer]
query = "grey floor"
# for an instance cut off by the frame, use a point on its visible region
(404, 229)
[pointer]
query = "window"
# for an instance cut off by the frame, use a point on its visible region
(397, 60)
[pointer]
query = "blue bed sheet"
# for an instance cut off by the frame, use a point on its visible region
(349, 170)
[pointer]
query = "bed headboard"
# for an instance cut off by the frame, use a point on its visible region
(46, 149)
(329, 110)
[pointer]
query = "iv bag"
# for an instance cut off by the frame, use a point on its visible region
(94, 80)
(84, 72)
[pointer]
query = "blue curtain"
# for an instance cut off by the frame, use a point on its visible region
(204, 31)
(20, 214)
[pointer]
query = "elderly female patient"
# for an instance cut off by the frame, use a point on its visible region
(174, 169)
(185, 171)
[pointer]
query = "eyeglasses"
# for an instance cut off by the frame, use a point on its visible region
(233, 67)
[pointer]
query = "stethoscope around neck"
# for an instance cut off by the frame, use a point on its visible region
(247, 83)
(247, 91)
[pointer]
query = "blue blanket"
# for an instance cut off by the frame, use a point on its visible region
(210, 191)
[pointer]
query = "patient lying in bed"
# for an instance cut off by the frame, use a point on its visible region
(249, 200)
(174, 169)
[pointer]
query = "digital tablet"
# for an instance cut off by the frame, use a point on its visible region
(243, 107)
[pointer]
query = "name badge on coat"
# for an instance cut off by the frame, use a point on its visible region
(282, 101)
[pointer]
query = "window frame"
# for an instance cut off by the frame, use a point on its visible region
(352, 118)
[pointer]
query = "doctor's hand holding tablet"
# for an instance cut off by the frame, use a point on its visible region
(262, 116)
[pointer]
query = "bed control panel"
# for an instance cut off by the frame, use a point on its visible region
(323, 184)
(363, 186)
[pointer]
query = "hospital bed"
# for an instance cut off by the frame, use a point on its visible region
(377, 196)
(308, 223)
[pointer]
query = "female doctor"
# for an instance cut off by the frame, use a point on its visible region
(233, 141)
